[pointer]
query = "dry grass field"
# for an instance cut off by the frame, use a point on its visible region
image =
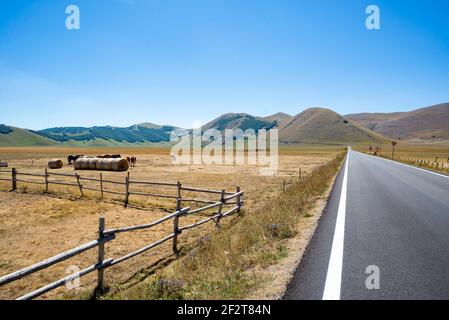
(35, 226)
(430, 156)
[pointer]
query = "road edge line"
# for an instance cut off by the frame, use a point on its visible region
(332, 286)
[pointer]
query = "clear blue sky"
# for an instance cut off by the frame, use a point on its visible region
(173, 62)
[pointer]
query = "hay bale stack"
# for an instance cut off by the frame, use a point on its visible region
(55, 164)
(115, 164)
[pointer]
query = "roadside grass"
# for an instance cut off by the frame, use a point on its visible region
(218, 265)
(426, 156)
(434, 165)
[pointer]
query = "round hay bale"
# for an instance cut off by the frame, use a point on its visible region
(81, 164)
(111, 164)
(108, 165)
(92, 163)
(123, 164)
(55, 164)
(102, 164)
(114, 165)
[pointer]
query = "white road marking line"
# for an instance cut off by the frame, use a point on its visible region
(332, 286)
(407, 165)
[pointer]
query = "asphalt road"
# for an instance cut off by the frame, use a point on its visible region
(386, 224)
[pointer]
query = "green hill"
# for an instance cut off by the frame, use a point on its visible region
(12, 136)
(278, 117)
(239, 121)
(107, 135)
(144, 134)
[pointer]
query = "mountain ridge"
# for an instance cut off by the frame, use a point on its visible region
(312, 125)
(316, 125)
(424, 124)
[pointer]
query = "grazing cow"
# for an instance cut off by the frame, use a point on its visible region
(73, 158)
(132, 161)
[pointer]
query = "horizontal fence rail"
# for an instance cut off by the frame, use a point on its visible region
(63, 281)
(108, 235)
(51, 178)
(53, 260)
(149, 225)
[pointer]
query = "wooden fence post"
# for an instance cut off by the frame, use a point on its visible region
(101, 184)
(101, 251)
(46, 181)
(283, 186)
(14, 178)
(178, 184)
(176, 227)
(127, 190)
(79, 183)
(220, 207)
(239, 203)
(300, 174)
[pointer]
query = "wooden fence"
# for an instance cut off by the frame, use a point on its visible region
(20, 177)
(107, 235)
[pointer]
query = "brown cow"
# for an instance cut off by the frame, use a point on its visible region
(132, 161)
(73, 158)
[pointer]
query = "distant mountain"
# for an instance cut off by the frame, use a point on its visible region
(104, 136)
(371, 120)
(140, 133)
(320, 125)
(314, 125)
(278, 117)
(425, 124)
(239, 121)
(12, 136)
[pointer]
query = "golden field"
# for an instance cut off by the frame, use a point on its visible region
(35, 226)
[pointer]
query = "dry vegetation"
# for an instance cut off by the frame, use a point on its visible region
(35, 226)
(226, 264)
(429, 156)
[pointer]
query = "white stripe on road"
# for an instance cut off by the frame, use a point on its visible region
(407, 165)
(332, 286)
